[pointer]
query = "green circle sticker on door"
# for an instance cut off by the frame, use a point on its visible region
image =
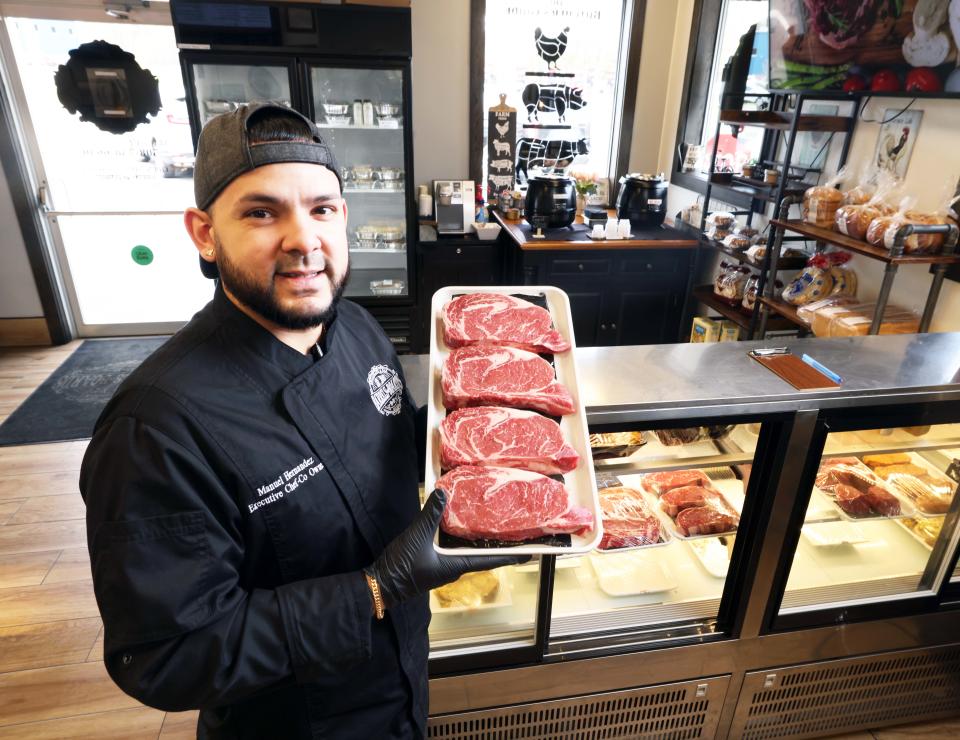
(142, 255)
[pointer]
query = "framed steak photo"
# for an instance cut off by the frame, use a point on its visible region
(504, 356)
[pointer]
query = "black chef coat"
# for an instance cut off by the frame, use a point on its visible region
(234, 490)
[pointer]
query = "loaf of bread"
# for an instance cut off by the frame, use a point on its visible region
(820, 203)
(858, 321)
(854, 220)
(858, 195)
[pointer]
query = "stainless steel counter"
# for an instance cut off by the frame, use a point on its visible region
(675, 380)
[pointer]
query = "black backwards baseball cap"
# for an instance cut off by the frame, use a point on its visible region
(224, 152)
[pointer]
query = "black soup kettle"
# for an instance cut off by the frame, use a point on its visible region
(642, 199)
(551, 201)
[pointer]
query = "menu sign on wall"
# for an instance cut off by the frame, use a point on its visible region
(501, 139)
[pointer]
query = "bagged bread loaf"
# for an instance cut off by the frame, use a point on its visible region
(844, 278)
(736, 241)
(856, 321)
(730, 283)
(821, 202)
(750, 291)
(809, 312)
(812, 284)
(854, 220)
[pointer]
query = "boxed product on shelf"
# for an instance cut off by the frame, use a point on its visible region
(705, 330)
(729, 331)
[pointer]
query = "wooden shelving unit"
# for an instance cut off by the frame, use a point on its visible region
(893, 258)
(738, 315)
(784, 121)
(860, 247)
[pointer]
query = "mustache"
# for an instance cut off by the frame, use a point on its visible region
(304, 265)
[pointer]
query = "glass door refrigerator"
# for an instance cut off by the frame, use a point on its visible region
(348, 69)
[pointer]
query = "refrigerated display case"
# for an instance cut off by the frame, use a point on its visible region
(805, 613)
(348, 69)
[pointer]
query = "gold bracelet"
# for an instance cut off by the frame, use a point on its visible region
(378, 608)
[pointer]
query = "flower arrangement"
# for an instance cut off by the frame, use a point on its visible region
(585, 183)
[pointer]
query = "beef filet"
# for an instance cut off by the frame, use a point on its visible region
(677, 499)
(627, 522)
(499, 319)
(699, 520)
(660, 483)
(485, 374)
(508, 504)
(510, 438)
(882, 502)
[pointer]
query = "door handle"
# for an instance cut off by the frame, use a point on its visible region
(580, 267)
(459, 250)
(43, 196)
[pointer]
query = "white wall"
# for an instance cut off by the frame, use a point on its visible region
(18, 292)
(441, 89)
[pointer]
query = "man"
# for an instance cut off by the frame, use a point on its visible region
(255, 540)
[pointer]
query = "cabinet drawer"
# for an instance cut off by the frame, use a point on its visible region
(652, 263)
(570, 267)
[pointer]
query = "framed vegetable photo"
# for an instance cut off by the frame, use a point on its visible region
(895, 143)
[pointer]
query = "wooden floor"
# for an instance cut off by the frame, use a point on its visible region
(52, 681)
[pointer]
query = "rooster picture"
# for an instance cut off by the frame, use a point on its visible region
(892, 149)
(551, 49)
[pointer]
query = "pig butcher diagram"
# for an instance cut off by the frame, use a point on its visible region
(501, 181)
(501, 164)
(552, 98)
(502, 128)
(501, 147)
(558, 153)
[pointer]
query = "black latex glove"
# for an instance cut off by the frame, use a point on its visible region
(410, 566)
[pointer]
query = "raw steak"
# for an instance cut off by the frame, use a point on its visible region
(627, 522)
(499, 319)
(677, 499)
(510, 438)
(881, 501)
(852, 501)
(508, 504)
(857, 476)
(660, 483)
(705, 520)
(485, 374)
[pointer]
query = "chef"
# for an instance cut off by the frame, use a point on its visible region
(255, 538)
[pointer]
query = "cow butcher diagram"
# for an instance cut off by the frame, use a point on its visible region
(556, 153)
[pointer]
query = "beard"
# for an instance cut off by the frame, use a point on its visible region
(262, 299)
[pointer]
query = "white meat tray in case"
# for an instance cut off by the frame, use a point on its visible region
(580, 482)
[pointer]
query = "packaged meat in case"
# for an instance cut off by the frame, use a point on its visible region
(502, 419)
(666, 480)
(628, 522)
(857, 491)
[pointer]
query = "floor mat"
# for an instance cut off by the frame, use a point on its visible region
(67, 404)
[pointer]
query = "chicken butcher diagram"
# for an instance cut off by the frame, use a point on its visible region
(551, 49)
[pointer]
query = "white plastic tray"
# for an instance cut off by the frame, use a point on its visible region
(580, 482)
(832, 534)
(711, 554)
(730, 490)
(913, 534)
(631, 574)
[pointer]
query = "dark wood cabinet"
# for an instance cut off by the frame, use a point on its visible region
(452, 261)
(616, 296)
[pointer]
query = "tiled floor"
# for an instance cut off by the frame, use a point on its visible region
(52, 682)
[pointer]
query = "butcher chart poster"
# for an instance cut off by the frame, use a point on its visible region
(501, 140)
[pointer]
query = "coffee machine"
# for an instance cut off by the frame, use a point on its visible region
(454, 202)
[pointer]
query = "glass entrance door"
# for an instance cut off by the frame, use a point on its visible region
(113, 202)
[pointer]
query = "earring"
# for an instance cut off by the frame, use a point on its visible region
(209, 253)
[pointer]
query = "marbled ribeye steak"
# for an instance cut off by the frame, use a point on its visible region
(489, 375)
(499, 319)
(511, 438)
(508, 504)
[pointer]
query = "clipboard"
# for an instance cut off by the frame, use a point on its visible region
(792, 369)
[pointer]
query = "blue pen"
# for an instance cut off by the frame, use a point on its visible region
(822, 368)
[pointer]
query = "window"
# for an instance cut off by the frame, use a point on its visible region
(563, 65)
(717, 28)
